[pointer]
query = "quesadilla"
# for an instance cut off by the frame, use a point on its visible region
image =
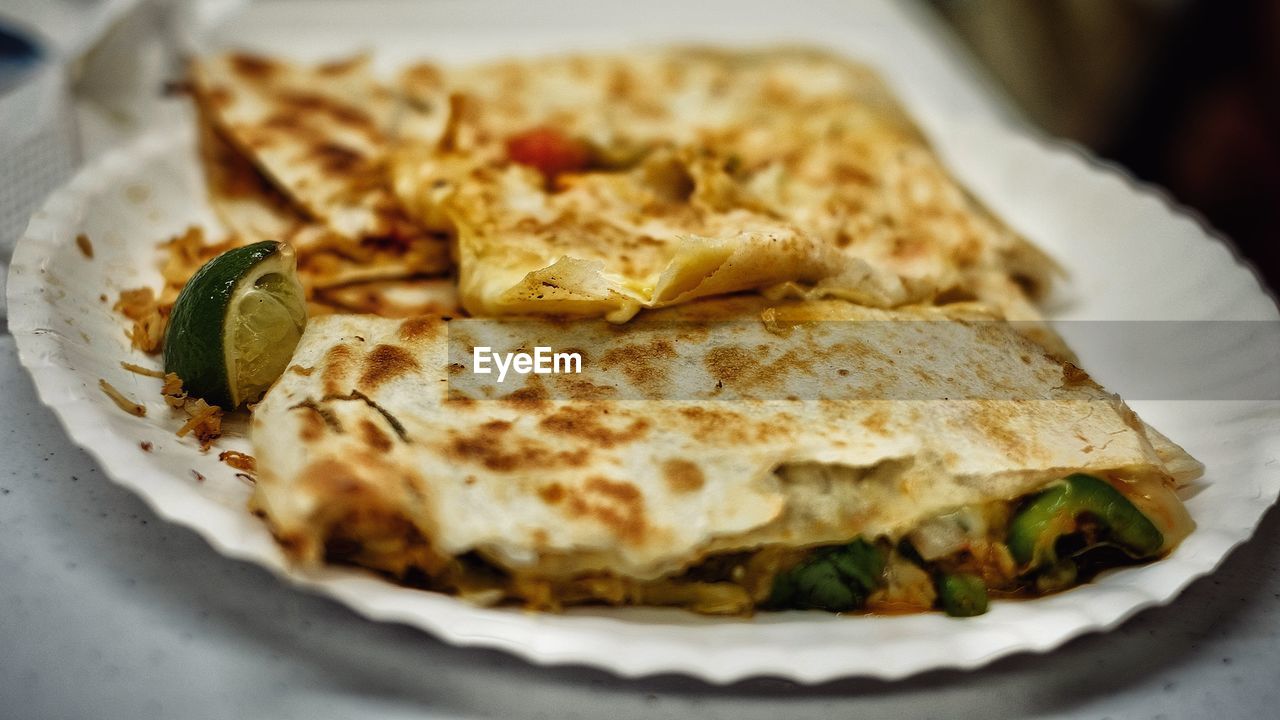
(840, 394)
(298, 154)
(597, 185)
(717, 457)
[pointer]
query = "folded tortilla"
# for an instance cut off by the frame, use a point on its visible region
(298, 154)
(710, 172)
(248, 204)
(724, 426)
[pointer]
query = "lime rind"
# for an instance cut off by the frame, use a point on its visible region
(235, 324)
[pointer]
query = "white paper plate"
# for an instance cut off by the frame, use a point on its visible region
(1130, 256)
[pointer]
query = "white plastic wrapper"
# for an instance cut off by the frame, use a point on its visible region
(38, 143)
(95, 79)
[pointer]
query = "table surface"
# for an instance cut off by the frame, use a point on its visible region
(106, 611)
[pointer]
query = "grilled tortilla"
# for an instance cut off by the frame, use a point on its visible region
(251, 209)
(245, 200)
(854, 433)
(597, 185)
(725, 428)
(298, 153)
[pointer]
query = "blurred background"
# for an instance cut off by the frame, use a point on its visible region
(1183, 93)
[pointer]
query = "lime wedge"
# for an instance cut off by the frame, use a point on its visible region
(235, 324)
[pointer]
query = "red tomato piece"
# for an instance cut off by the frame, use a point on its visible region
(549, 150)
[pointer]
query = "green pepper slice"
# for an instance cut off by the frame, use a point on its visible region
(1034, 531)
(961, 594)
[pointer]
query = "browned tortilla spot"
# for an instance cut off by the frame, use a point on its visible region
(423, 76)
(340, 67)
(730, 364)
(458, 401)
(374, 437)
(339, 159)
(420, 328)
(532, 397)
(643, 363)
(338, 364)
(992, 419)
(551, 494)
(488, 448)
(313, 423)
(968, 252)
(218, 97)
(586, 390)
(586, 423)
(304, 102)
(300, 104)
(706, 425)
(252, 66)
(331, 478)
(385, 363)
(484, 450)
(877, 422)
(1073, 375)
(617, 505)
(909, 248)
(295, 544)
(682, 475)
(287, 121)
